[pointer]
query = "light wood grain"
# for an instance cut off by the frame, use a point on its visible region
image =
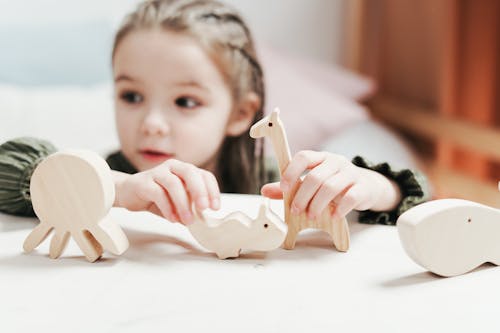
(451, 236)
(72, 192)
(272, 127)
(426, 123)
(229, 235)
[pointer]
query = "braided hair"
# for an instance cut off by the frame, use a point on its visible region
(226, 38)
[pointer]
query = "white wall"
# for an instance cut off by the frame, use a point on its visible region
(305, 27)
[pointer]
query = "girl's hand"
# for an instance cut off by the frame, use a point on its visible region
(333, 178)
(168, 190)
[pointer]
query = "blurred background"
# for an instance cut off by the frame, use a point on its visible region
(412, 82)
(437, 65)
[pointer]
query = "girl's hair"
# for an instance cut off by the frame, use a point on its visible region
(226, 38)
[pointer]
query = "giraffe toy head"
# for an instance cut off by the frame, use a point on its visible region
(266, 125)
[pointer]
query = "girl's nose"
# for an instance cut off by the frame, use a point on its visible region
(155, 124)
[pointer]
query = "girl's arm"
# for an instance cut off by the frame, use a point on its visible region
(378, 192)
(389, 192)
(412, 184)
(118, 179)
(169, 190)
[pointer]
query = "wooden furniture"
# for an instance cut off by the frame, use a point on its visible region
(437, 64)
(272, 127)
(72, 192)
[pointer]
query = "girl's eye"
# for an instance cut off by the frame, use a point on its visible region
(186, 102)
(131, 97)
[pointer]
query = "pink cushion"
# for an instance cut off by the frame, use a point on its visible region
(314, 103)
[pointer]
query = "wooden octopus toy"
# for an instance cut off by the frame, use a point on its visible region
(229, 235)
(272, 127)
(451, 236)
(72, 192)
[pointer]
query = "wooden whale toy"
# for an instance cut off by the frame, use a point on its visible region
(451, 236)
(72, 192)
(229, 235)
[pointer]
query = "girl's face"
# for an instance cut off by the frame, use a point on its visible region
(171, 100)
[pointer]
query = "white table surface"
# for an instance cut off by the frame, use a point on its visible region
(166, 281)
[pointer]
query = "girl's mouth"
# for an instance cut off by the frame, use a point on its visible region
(155, 156)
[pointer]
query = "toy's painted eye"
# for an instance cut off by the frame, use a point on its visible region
(270, 124)
(469, 220)
(266, 225)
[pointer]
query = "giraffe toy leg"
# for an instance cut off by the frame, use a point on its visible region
(337, 228)
(340, 234)
(290, 239)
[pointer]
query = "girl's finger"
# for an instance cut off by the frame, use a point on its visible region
(348, 201)
(272, 191)
(161, 203)
(333, 187)
(195, 184)
(177, 193)
(150, 192)
(311, 184)
(153, 208)
(212, 189)
(302, 161)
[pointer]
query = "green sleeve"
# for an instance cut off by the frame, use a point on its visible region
(118, 162)
(18, 159)
(414, 189)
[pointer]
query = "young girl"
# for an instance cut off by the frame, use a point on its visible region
(188, 86)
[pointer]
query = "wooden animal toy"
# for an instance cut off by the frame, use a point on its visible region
(72, 192)
(272, 127)
(451, 236)
(229, 235)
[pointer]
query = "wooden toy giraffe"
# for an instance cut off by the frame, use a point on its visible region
(272, 127)
(72, 192)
